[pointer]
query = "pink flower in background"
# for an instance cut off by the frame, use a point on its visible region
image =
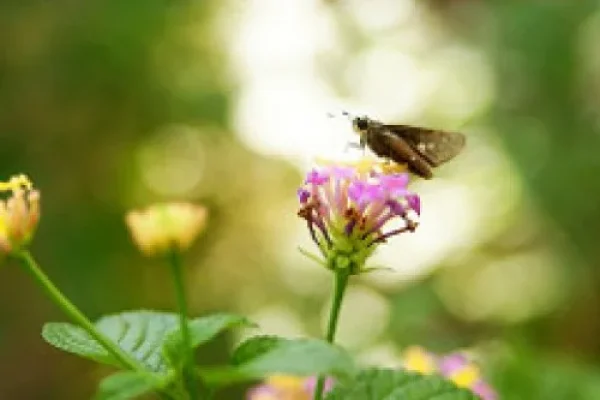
(454, 367)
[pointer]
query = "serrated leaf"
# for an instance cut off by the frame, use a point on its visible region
(73, 339)
(295, 357)
(202, 330)
(385, 384)
(125, 385)
(140, 334)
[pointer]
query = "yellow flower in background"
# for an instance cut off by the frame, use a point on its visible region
(286, 387)
(162, 227)
(416, 359)
(19, 213)
(286, 382)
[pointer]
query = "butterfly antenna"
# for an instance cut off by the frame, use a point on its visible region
(343, 113)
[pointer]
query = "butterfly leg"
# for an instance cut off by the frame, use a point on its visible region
(352, 145)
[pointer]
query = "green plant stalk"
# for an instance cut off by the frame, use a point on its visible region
(31, 266)
(340, 284)
(189, 376)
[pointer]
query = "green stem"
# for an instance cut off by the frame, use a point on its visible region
(74, 313)
(341, 282)
(188, 362)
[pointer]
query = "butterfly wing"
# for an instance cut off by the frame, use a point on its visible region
(435, 146)
(400, 151)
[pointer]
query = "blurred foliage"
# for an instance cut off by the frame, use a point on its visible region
(93, 92)
(531, 375)
(83, 87)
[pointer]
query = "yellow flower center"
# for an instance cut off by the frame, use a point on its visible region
(16, 182)
(366, 165)
(418, 360)
(466, 377)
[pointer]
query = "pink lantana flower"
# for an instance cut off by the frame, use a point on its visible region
(348, 210)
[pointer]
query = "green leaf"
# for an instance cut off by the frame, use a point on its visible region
(254, 347)
(140, 334)
(73, 339)
(379, 384)
(223, 375)
(202, 330)
(126, 385)
(267, 355)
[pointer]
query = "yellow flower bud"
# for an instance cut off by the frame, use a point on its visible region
(162, 227)
(19, 214)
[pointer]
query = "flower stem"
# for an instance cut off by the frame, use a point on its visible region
(29, 263)
(188, 362)
(341, 282)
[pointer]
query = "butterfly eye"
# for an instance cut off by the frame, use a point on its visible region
(361, 124)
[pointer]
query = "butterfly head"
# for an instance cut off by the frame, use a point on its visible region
(361, 126)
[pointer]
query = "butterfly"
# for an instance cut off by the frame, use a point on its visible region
(421, 149)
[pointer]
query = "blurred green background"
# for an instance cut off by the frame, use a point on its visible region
(110, 105)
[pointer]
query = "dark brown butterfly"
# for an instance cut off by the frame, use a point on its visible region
(420, 149)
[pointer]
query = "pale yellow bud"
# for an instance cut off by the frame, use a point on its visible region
(19, 214)
(162, 227)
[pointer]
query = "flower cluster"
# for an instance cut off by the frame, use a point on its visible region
(284, 387)
(162, 227)
(19, 214)
(347, 209)
(455, 367)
